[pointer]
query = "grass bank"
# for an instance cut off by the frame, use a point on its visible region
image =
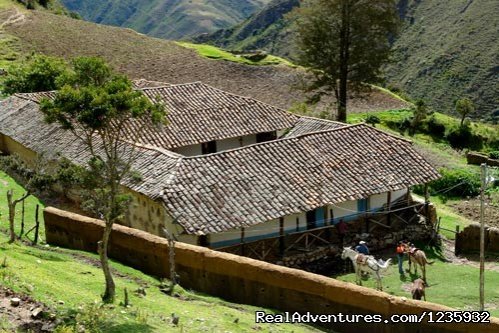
(214, 52)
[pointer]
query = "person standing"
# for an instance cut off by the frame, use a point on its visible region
(400, 256)
(342, 230)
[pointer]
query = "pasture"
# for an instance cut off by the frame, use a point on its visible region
(451, 281)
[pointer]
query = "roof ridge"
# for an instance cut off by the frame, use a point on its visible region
(274, 141)
(321, 119)
(172, 85)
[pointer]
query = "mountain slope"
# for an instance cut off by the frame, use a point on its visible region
(267, 29)
(446, 50)
(170, 19)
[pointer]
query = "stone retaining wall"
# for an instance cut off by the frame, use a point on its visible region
(249, 281)
(468, 240)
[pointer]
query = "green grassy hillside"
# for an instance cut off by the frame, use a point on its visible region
(170, 19)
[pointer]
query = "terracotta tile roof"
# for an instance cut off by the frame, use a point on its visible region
(249, 185)
(306, 125)
(257, 183)
(22, 121)
(200, 113)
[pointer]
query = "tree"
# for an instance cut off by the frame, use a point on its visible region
(34, 74)
(98, 107)
(419, 114)
(464, 107)
(344, 43)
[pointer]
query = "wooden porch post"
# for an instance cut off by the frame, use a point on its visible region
(388, 208)
(242, 242)
(281, 236)
(327, 223)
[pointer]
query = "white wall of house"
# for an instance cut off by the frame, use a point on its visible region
(225, 144)
(347, 211)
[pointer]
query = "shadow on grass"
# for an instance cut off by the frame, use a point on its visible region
(130, 328)
(43, 256)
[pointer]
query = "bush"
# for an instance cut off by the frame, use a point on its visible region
(372, 120)
(435, 128)
(38, 73)
(456, 183)
(494, 155)
(463, 137)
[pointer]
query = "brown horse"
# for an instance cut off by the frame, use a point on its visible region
(418, 257)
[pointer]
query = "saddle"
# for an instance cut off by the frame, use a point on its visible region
(361, 259)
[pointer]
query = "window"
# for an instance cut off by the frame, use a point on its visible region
(266, 136)
(209, 147)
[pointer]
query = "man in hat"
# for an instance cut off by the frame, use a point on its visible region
(362, 248)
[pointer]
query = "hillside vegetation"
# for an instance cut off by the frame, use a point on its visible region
(140, 56)
(267, 29)
(170, 19)
(447, 50)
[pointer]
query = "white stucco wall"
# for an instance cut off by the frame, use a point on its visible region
(222, 145)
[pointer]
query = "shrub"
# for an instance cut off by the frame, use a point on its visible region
(494, 155)
(463, 137)
(435, 128)
(456, 183)
(372, 120)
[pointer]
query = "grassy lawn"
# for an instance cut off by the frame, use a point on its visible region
(214, 52)
(450, 284)
(51, 275)
(7, 183)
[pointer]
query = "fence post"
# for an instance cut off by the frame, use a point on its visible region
(21, 233)
(37, 224)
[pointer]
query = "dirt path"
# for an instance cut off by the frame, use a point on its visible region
(491, 263)
(16, 17)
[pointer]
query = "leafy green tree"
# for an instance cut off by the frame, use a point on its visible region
(36, 73)
(344, 43)
(98, 107)
(464, 107)
(419, 114)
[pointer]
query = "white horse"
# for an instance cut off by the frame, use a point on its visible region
(368, 265)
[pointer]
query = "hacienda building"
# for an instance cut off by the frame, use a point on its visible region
(230, 169)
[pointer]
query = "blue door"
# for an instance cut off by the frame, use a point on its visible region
(320, 216)
(362, 205)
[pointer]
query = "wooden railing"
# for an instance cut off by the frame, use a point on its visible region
(274, 248)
